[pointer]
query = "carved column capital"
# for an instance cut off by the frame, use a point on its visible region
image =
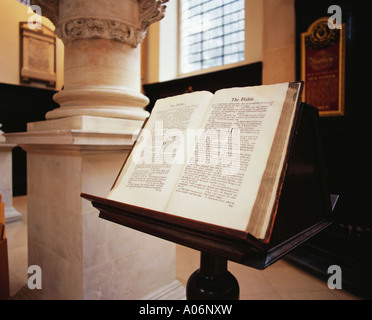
(90, 24)
(102, 76)
(150, 11)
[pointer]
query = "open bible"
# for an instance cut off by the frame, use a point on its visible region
(219, 159)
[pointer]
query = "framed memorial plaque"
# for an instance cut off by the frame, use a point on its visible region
(37, 55)
(323, 67)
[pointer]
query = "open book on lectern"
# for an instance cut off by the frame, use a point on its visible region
(218, 159)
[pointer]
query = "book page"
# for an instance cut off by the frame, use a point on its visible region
(223, 174)
(153, 167)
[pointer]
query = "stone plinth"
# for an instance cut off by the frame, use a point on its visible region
(6, 185)
(82, 256)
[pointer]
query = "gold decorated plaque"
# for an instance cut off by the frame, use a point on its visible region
(323, 67)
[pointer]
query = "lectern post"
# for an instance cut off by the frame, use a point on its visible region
(212, 281)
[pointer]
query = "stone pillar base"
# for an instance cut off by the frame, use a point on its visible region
(82, 256)
(12, 215)
(6, 185)
(173, 291)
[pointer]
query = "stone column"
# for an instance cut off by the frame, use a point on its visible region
(6, 185)
(102, 57)
(81, 148)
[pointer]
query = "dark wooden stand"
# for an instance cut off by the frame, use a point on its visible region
(303, 209)
(212, 281)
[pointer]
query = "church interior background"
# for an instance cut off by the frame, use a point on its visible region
(64, 131)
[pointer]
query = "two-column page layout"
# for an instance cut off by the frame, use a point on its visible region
(216, 158)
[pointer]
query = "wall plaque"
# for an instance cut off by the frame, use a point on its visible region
(323, 67)
(38, 55)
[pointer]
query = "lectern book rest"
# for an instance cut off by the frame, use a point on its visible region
(238, 174)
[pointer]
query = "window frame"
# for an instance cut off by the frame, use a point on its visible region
(208, 69)
(170, 46)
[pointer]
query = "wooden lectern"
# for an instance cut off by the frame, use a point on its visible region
(303, 210)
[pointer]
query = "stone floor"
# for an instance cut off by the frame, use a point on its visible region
(281, 281)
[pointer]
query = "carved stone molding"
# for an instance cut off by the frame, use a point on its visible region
(87, 27)
(150, 11)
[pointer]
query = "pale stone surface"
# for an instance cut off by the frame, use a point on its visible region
(279, 65)
(102, 78)
(81, 255)
(87, 124)
(102, 57)
(81, 149)
(279, 41)
(6, 173)
(125, 20)
(279, 23)
(6, 184)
